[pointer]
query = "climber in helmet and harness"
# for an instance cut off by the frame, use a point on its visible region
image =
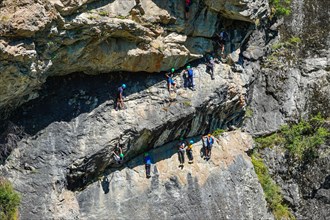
(208, 144)
(181, 151)
(190, 77)
(120, 97)
(190, 152)
(147, 162)
(210, 66)
(223, 38)
(170, 81)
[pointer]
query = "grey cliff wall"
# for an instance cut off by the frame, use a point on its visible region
(296, 83)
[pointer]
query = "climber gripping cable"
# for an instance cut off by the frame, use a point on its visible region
(118, 155)
(170, 82)
(120, 97)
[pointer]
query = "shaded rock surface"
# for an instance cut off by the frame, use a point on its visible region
(71, 154)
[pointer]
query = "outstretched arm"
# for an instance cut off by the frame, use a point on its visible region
(115, 153)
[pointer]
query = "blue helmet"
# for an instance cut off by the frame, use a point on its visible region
(123, 86)
(191, 141)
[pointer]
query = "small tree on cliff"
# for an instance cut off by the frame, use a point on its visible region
(9, 200)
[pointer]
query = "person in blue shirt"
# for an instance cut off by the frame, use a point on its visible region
(223, 39)
(120, 97)
(147, 162)
(208, 143)
(190, 77)
(170, 82)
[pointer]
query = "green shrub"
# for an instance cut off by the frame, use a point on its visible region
(270, 141)
(9, 201)
(294, 40)
(301, 139)
(280, 7)
(103, 13)
(248, 113)
(271, 190)
(217, 132)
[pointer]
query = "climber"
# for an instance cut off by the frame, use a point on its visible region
(181, 152)
(170, 81)
(147, 162)
(118, 155)
(223, 38)
(210, 66)
(120, 98)
(208, 144)
(190, 77)
(190, 152)
(187, 7)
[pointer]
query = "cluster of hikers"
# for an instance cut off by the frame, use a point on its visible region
(184, 148)
(188, 73)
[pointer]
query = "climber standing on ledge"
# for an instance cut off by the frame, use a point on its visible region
(190, 152)
(210, 66)
(170, 81)
(223, 38)
(181, 151)
(120, 97)
(186, 8)
(208, 140)
(190, 77)
(147, 162)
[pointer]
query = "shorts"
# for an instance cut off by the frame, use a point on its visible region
(118, 97)
(209, 146)
(170, 81)
(187, 8)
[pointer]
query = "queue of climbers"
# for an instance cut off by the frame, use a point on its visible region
(188, 73)
(185, 149)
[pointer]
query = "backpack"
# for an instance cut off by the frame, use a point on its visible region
(210, 141)
(190, 72)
